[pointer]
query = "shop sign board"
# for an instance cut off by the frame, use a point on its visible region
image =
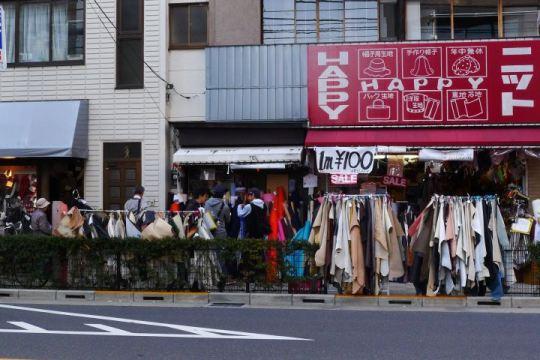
(3, 45)
(394, 181)
(345, 160)
(424, 83)
(343, 179)
(446, 155)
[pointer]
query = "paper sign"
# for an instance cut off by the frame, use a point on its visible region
(342, 160)
(450, 155)
(310, 181)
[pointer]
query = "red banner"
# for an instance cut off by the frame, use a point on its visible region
(433, 83)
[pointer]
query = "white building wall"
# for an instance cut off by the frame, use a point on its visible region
(187, 71)
(114, 115)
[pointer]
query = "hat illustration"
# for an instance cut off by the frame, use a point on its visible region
(377, 68)
(422, 67)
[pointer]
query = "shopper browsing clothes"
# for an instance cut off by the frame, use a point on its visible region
(39, 223)
(255, 212)
(219, 210)
(137, 204)
(200, 196)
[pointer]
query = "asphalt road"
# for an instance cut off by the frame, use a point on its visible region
(63, 332)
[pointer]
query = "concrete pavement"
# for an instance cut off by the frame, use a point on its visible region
(69, 332)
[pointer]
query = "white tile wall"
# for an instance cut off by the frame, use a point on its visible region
(115, 115)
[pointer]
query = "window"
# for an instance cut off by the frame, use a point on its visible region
(388, 20)
(130, 44)
(311, 21)
(476, 19)
(49, 32)
(521, 18)
(472, 19)
(188, 26)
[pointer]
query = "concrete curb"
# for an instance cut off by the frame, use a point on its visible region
(322, 301)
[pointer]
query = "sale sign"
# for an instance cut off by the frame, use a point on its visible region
(435, 83)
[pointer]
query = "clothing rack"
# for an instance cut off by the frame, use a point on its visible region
(125, 211)
(468, 197)
(332, 196)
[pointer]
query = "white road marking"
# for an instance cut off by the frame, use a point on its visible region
(109, 329)
(27, 326)
(193, 332)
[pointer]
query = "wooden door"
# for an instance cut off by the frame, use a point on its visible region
(121, 173)
(120, 179)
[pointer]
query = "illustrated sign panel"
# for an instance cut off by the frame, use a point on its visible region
(435, 83)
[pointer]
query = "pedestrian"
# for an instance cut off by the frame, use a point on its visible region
(39, 223)
(221, 212)
(257, 225)
(200, 196)
(137, 204)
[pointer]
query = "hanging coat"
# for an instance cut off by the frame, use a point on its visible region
(357, 253)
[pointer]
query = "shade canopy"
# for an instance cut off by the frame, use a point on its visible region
(40, 129)
(427, 137)
(245, 155)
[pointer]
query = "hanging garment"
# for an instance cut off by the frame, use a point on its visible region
(394, 232)
(319, 233)
(179, 226)
(132, 231)
(120, 228)
(357, 252)
(111, 226)
(342, 255)
(381, 244)
(70, 225)
(480, 249)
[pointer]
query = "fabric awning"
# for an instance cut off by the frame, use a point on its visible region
(239, 155)
(44, 129)
(424, 137)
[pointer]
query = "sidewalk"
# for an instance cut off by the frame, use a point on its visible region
(322, 301)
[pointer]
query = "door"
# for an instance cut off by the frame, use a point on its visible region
(121, 173)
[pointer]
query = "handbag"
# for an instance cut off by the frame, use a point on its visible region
(378, 111)
(209, 221)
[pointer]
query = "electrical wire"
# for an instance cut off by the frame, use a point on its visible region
(130, 64)
(170, 86)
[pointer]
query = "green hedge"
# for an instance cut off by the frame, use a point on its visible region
(28, 261)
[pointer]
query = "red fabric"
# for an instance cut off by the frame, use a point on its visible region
(515, 136)
(276, 214)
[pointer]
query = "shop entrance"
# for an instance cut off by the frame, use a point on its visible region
(121, 173)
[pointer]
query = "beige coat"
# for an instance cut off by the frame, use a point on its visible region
(357, 253)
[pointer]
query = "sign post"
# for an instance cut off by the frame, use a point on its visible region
(3, 45)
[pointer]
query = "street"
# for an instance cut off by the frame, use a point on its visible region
(114, 332)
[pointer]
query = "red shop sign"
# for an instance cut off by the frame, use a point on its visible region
(433, 83)
(395, 181)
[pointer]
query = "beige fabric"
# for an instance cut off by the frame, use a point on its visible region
(394, 256)
(325, 210)
(357, 253)
(70, 224)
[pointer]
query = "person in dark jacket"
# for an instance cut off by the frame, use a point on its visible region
(200, 195)
(40, 224)
(257, 225)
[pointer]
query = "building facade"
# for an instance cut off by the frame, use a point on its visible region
(250, 79)
(108, 56)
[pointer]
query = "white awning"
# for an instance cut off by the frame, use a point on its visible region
(239, 155)
(257, 166)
